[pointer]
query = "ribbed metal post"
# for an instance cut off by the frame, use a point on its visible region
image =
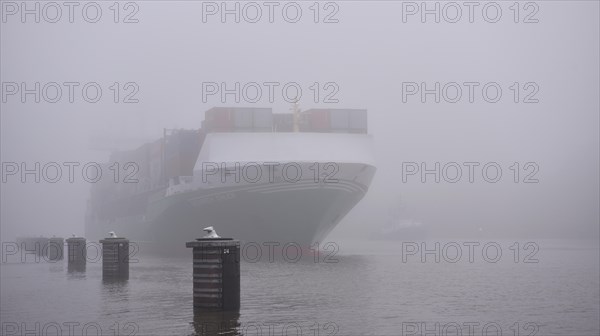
(43, 246)
(217, 323)
(33, 246)
(76, 254)
(55, 249)
(115, 258)
(216, 263)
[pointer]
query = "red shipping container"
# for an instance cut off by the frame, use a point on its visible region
(319, 120)
(220, 119)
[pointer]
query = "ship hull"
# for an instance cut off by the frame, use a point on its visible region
(299, 213)
(276, 208)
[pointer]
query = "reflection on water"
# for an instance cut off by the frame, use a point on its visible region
(559, 295)
(115, 286)
(56, 268)
(208, 323)
(115, 296)
(76, 270)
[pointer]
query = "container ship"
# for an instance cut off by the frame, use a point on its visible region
(250, 173)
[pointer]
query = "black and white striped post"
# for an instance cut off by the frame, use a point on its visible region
(76, 254)
(55, 249)
(115, 258)
(216, 273)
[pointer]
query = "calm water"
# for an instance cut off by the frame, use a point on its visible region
(368, 291)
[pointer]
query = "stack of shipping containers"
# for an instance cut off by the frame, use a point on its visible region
(336, 120)
(181, 151)
(234, 119)
(155, 164)
(238, 119)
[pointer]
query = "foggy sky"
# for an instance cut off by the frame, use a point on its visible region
(369, 54)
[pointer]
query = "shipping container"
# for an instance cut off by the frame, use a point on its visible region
(238, 119)
(358, 121)
(339, 119)
(243, 118)
(318, 120)
(262, 129)
(181, 153)
(219, 119)
(155, 167)
(336, 120)
(263, 118)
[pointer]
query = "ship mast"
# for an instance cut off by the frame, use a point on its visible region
(296, 115)
(163, 173)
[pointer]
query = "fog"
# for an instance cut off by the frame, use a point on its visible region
(368, 55)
